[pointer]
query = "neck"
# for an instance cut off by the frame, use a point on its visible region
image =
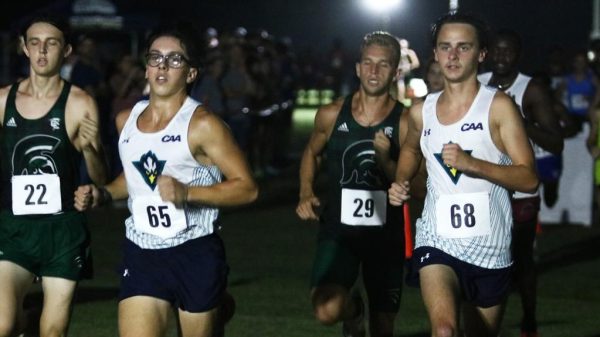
(370, 110)
(42, 86)
(503, 82)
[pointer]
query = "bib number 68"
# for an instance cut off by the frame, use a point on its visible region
(465, 216)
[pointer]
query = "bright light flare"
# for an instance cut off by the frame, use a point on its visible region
(380, 5)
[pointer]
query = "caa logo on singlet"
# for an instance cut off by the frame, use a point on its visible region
(171, 138)
(150, 168)
(471, 126)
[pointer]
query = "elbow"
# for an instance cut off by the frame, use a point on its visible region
(253, 194)
(532, 184)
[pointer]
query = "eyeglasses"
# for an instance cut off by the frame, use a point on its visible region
(172, 60)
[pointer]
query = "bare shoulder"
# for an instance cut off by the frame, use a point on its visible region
(327, 114)
(121, 118)
(3, 97)
(415, 112)
(203, 116)
(502, 102)
(536, 89)
(79, 94)
(503, 109)
(4, 92)
(80, 100)
(205, 123)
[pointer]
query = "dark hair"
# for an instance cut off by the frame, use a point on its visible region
(508, 35)
(481, 28)
(383, 39)
(57, 21)
(188, 36)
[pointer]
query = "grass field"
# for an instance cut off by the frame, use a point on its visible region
(270, 253)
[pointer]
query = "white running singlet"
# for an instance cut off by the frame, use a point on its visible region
(155, 224)
(466, 217)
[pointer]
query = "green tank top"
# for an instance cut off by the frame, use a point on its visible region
(38, 146)
(351, 166)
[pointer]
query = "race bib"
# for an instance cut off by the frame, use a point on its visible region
(463, 215)
(36, 194)
(154, 216)
(363, 208)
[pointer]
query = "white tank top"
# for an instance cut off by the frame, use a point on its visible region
(517, 92)
(145, 156)
(466, 217)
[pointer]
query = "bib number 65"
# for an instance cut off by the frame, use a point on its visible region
(158, 216)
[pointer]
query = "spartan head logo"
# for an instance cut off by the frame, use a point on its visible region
(358, 164)
(150, 168)
(33, 155)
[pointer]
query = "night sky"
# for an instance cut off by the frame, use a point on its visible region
(541, 23)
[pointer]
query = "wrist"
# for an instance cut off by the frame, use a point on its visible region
(105, 196)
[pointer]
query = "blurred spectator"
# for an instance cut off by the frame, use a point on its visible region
(208, 89)
(338, 69)
(86, 71)
(126, 84)
(408, 62)
(238, 88)
(580, 89)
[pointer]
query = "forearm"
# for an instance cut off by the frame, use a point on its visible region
(551, 142)
(116, 189)
(231, 192)
(95, 163)
(388, 167)
(309, 167)
(522, 178)
(408, 164)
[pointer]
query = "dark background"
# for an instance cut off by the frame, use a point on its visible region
(315, 23)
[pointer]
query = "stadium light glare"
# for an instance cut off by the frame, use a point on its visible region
(380, 5)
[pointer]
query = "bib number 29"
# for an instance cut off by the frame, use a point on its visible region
(364, 208)
(462, 215)
(158, 216)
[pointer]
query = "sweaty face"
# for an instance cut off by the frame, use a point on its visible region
(45, 47)
(376, 70)
(504, 56)
(165, 80)
(457, 51)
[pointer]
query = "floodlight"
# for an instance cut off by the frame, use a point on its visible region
(380, 5)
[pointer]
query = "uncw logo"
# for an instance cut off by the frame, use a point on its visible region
(453, 173)
(150, 168)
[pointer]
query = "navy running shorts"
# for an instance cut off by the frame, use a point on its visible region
(191, 276)
(480, 286)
